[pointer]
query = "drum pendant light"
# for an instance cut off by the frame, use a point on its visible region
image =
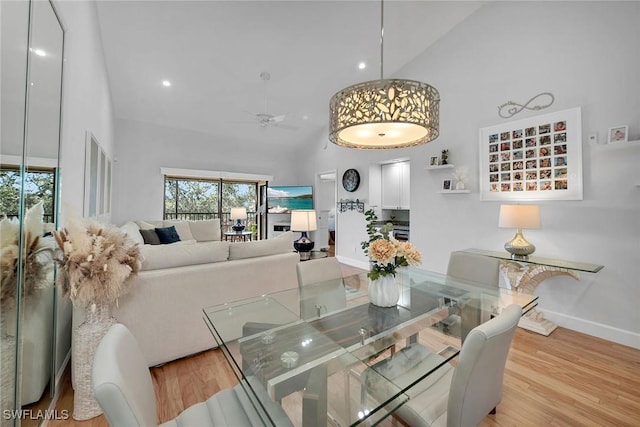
(385, 113)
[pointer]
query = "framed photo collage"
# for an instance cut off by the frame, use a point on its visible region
(533, 159)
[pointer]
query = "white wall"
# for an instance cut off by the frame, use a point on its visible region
(86, 105)
(142, 149)
(586, 54)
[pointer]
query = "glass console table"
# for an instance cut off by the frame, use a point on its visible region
(299, 351)
(526, 275)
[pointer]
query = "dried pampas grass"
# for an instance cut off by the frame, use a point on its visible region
(37, 259)
(98, 262)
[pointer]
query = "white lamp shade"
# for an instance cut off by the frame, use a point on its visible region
(238, 213)
(519, 216)
(303, 220)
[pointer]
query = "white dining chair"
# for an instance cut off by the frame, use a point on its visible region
(331, 296)
(123, 387)
(479, 269)
(462, 396)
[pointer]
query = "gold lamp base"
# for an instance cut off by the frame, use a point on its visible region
(518, 247)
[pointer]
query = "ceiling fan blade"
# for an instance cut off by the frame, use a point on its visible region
(277, 119)
(280, 125)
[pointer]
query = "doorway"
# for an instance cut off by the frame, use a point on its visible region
(326, 200)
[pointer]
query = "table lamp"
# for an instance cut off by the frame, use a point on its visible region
(238, 214)
(304, 221)
(519, 217)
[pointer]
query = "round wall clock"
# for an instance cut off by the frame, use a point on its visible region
(351, 180)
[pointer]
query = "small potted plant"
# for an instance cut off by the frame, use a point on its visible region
(444, 157)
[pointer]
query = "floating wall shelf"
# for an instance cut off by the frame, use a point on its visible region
(447, 166)
(615, 145)
(454, 191)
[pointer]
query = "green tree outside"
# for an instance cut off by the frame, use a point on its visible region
(38, 185)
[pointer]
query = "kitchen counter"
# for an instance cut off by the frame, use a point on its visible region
(400, 223)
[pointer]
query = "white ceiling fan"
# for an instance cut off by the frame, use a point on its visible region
(265, 119)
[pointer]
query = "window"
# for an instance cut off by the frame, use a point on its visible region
(39, 185)
(199, 198)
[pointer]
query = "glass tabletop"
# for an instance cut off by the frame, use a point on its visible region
(328, 361)
(551, 262)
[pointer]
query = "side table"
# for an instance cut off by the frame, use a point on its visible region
(314, 255)
(526, 275)
(238, 236)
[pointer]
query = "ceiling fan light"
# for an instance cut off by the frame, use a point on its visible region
(383, 114)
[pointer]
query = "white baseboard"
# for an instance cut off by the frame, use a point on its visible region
(609, 333)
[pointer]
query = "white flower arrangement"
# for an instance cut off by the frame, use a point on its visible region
(386, 253)
(460, 174)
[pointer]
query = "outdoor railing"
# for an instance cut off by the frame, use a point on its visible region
(225, 219)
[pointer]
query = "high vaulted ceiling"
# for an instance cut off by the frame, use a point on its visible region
(213, 52)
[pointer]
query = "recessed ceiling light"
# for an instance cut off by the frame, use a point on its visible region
(166, 83)
(362, 65)
(305, 117)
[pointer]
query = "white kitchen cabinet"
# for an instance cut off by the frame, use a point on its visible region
(396, 185)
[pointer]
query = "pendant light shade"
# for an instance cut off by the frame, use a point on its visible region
(378, 114)
(384, 113)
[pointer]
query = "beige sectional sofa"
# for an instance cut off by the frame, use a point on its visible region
(163, 309)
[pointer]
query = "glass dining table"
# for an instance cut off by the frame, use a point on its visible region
(325, 354)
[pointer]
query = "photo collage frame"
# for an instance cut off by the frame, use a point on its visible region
(533, 159)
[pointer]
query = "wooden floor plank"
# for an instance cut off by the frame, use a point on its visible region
(567, 379)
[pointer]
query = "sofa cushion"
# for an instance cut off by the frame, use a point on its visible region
(182, 227)
(177, 255)
(279, 245)
(205, 231)
(149, 225)
(132, 230)
(167, 234)
(150, 237)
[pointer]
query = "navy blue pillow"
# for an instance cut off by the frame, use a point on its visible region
(168, 235)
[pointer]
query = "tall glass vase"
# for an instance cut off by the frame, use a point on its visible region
(384, 292)
(86, 338)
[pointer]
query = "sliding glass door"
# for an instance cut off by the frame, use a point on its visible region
(199, 199)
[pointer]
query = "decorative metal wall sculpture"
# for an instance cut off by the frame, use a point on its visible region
(513, 108)
(351, 205)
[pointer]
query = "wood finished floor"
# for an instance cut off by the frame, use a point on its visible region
(567, 379)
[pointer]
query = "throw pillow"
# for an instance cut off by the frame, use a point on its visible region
(150, 237)
(182, 227)
(145, 225)
(168, 235)
(132, 230)
(205, 231)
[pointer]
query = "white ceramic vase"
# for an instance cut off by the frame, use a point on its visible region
(384, 291)
(460, 185)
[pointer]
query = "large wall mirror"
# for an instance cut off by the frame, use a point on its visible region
(32, 40)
